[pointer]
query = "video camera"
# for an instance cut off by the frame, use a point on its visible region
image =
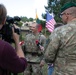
(6, 30)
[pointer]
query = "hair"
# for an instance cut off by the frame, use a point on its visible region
(36, 24)
(72, 10)
(3, 13)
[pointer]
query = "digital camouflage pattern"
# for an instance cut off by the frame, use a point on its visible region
(33, 53)
(31, 46)
(63, 41)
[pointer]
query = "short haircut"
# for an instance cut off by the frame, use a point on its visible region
(3, 13)
(72, 10)
(36, 24)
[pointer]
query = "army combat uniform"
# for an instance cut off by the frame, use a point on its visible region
(33, 53)
(62, 48)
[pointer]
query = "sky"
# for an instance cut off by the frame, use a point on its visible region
(25, 7)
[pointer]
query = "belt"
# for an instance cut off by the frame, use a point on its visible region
(33, 53)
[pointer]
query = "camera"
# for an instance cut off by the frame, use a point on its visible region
(6, 30)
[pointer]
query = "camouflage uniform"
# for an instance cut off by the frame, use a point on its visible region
(63, 42)
(33, 53)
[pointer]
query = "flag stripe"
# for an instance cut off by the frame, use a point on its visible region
(50, 22)
(52, 27)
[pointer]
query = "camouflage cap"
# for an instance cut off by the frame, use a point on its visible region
(68, 5)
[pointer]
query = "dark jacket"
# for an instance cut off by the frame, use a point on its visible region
(9, 61)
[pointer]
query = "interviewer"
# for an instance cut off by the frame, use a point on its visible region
(11, 60)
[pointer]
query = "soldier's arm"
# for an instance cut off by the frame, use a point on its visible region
(43, 40)
(52, 47)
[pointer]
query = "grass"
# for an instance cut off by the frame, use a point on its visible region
(44, 70)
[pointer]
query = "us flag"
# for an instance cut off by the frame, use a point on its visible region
(50, 22)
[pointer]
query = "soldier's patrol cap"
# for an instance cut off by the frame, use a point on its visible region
(68, 5)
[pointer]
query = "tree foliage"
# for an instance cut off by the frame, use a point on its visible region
(25, 19)
(55, 6)
(30, 19)
(42, 23)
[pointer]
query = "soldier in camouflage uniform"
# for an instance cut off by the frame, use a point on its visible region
(32, 50)
(62, 47)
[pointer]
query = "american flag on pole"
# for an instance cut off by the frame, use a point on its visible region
(50, 22)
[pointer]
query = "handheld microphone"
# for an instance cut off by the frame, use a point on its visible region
(21, 43)
(39, 45)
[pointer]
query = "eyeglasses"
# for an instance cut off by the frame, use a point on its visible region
(61, 14)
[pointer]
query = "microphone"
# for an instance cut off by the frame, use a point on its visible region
(21, 43)
(39, 45)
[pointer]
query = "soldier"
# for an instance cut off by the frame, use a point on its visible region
(34, 49)
(62, 47)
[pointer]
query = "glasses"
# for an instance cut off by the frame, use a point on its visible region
(61, 14)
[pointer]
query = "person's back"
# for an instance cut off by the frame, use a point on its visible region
(11, 59)
(66, 56)
(62, 47)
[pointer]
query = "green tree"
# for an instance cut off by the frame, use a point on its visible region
(30, 19)
(55, 6)
(42, 23)
(24, 19)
